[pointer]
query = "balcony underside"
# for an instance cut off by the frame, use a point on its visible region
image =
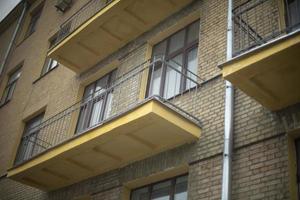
(150, 128)
(270, 74)
(111, 28)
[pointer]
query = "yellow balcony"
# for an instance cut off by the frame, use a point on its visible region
(146, 130)
(84, 40)
(269, 74)
(266, 46)
(132, 128)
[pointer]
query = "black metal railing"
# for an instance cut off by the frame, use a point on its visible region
(125, 93)
(87, 11)
(257, 22)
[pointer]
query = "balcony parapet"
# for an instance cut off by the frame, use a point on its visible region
(127, 93)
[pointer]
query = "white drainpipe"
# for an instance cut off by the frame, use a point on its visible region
(228, 121)
(13, 37)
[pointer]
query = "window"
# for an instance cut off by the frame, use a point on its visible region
(11, 86)
(293, 13)
(180, 51)
(29, 143)
(34, 18)
(50, 63)
(175, 189)
(96, 104)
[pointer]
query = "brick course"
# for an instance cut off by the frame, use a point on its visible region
(260, 169)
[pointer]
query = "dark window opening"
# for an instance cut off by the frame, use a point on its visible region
(10, 87)
(171, 189)
(30, 143)
(34, 18)
(293, 14)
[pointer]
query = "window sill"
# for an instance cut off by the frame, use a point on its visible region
(43, 75)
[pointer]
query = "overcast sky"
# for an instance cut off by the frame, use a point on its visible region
(6, 6)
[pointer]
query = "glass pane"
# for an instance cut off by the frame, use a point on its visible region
(10, 91)
(30, 143)
(159, 50)
(161, 191)
(173, 77)
(181, 188)
(89, 90)
(33, 125)
(101, 85)
(107, 112)
(53, 63)
(96, 112)
(193, 32)
(293, 13)
(156, 77)
(176, 41)
(14, 76)
(83, 114)
(192, 68)
(141, 194)
(33, 21)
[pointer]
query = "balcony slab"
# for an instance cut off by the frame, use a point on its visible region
(148, 129)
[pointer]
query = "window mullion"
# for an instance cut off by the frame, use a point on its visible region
(184, 63)
(164, 69)
(104, 103)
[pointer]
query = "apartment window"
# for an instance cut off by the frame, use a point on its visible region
(97, 101)
(172, 189)
(293, 13)
(34, 18)
(180, 51)
(50, 63)
(11, 86)
(29, 143)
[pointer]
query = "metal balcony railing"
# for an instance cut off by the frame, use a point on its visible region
(257, 22)
(87, 11)
(124, 94)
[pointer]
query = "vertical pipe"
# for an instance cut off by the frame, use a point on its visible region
(228, 118)
(13, 37)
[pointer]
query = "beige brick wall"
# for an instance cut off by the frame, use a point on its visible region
(5, 38)
(50, 93)
(260, 154)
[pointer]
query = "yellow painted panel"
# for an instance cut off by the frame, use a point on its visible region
(146, 130)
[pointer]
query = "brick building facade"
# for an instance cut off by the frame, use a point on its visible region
(264, 161)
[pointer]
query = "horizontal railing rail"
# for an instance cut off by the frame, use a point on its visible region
(125, 93)
(257, 22)
(87, 11)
